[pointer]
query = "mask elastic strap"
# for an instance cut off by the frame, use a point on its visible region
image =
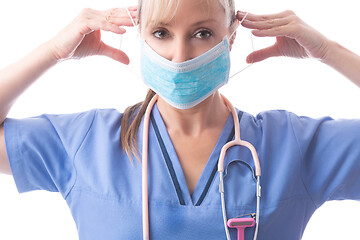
(132, 21)
(126, 66)
(252, 45)
(238, 25)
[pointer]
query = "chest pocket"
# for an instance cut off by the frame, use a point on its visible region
(240, 188)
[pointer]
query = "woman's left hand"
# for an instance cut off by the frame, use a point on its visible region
(294, 38)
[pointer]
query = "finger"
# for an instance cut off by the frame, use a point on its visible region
(114, 53)
(91, 20)
(254, 17)
(133, 8)
(122, 12)
(281, 31)
(120, 16)
(263, 54)
(114, 28)
(123, 21)
(266, 24)
(105, 26)
(101, 20)
(95, 25)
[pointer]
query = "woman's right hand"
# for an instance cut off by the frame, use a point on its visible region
(82, 37)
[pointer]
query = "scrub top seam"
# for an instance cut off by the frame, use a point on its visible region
(302, 161)
(15, 133)
(168, 162)
(46, 118)
(77, 150)
(14, 140)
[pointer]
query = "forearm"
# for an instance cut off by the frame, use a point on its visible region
(17, 77)
(344, 61)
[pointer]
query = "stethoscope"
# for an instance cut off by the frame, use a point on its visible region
(239, 223)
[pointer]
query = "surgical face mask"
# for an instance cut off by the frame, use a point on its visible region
(186, 84)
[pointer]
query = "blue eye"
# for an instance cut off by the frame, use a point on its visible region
(160, 34)
(203, 34)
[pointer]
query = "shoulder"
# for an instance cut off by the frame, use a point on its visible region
(68, 123)
(282, 124)
(281, 118)
(269, 118)
(71, 128)
(305, 129)
(83, 119)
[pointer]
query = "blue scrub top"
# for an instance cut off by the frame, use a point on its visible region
(304, 163)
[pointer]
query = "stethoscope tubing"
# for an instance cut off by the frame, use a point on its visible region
(236, 141)
(145, 204)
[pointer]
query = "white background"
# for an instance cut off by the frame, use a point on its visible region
(306, 87)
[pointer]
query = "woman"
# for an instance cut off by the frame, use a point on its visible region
(87, 156)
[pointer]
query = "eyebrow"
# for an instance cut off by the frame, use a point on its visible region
(194, 24)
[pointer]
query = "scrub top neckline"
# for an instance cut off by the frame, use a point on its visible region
(208, 172)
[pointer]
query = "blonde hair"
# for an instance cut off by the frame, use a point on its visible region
(154, 12)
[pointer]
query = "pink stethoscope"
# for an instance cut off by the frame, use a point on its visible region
(239, 223)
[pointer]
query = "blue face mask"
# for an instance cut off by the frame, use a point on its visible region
(186, 84)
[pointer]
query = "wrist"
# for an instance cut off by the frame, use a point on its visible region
(50, 52)
(332, 52)
(344, 61)
(38, 61)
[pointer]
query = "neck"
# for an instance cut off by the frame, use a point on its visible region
(211, 113)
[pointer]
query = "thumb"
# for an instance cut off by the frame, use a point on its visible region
(263, 54)
(113, 53)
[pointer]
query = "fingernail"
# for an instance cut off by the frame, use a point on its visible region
(249, 59)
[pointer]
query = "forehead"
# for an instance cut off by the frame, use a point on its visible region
(201, 7)
(182, 12)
